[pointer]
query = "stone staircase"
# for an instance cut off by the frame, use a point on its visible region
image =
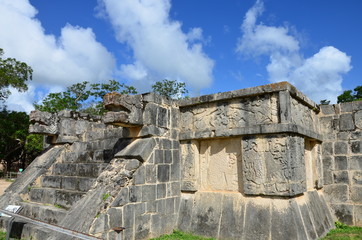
(67, 181)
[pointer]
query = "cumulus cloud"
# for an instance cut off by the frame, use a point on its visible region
(73, 57)
(160, 48)
(319, 77)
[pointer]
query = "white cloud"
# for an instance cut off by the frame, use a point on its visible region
(319, 77)
(73, 57)
(160, 48)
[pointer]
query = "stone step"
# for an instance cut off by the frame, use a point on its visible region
(46, 213)
(56, 197)
(91, 170)
(97, 156)
(82, 184)
(33, 232)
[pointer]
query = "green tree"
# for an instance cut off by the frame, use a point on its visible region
(16, 144)
(83, 97)
(170, 88)
(324, 102)
(14, 74)
(350, 96)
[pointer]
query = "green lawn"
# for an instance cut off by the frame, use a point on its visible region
(344, 232)
(178, 235)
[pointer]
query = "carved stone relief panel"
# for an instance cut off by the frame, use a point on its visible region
(304, 116)
(273, 165)
(220, 165)
(234, 113)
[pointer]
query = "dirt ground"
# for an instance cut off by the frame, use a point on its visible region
(3, 185)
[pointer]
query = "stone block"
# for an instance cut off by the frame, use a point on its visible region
(343, 136)
(320, 219)
(139, 177)
(358, 119)
(69, 183)
(176, 171)
(150, 173)
(51, 181)
(328, 163)
(232, 217)
(122, 198)
(340, 163)
(161, 190)
(163, 116)
(302, 221)
(150, 114)
(346, 107)
(340, 148)
(327, 177)
(357, 212)
(355, 162)
(66, 198)
(185, 213)
(163, 173)
(343, 212)
(168, 156)
(159, 156)
(135, 193)
(327, 148)
(282, 220)
(142, 226)
(170, 205)
(285, 107)
(336, 193)
(356, 194)
(357, 178)
(327, 109)
(148, 193)
(128, 221)
(140, 149)
(357, 105)
(206, 214)
(256, 215)
(189, 186)
(341, 177)
(356, 147)
(346, 122)
(84, 184)
(356, 135)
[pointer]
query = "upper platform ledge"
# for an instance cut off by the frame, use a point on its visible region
(253, 91)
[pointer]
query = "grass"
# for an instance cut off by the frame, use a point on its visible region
(2, 235)
(178, 235)
(344, 232)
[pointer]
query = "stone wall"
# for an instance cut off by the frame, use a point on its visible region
(252, 166)
(256, 163)
(342, 159)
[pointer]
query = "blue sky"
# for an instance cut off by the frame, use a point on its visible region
(212, 46)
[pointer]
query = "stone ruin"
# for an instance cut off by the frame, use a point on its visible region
(257, 163)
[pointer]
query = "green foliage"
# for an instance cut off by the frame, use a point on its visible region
(15, 142)
(324, 102)
(178, 235)
(105, 196)
(343, 231)
(170, 88)
(83, 97)
(14, 74)
(350, 96)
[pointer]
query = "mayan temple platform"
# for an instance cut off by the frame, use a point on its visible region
(256, 163)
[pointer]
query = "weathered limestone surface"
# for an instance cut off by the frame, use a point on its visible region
(256, 163)
(342, 160)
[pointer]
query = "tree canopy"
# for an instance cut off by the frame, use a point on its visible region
(16, 144)
(84, 97)
(350, 96)
(14, 74)
(170, 88)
